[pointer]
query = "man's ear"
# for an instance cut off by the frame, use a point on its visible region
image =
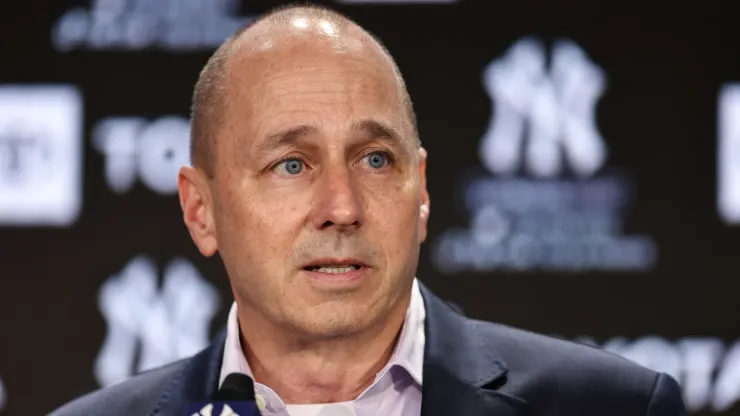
(197, 209)
(424, 207)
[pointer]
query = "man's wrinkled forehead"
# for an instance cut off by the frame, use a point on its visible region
(269, 47)
(300, 28)
(263, 61)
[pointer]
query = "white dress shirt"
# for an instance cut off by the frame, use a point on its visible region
(395, 392)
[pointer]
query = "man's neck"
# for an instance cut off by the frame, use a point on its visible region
(320, 371)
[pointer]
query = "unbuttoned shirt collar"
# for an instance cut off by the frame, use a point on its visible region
(402, 376)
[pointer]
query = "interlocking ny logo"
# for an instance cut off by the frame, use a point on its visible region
(556, 108)
(161, 325)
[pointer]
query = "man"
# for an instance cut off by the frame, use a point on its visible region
(308, 179)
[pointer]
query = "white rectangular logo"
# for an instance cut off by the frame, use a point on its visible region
(41, 154)
(728, 154)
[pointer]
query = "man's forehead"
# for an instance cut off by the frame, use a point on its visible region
(300, 31)
(272, 82)
(270, 49)
(328, 102)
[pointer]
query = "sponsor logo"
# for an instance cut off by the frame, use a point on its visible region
(728, 154)
(41, 155)
(149, 326)
(150, 151)
(708, 369)
(547, 202)
(134, 25)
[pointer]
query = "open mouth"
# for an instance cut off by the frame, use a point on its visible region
(333, 268)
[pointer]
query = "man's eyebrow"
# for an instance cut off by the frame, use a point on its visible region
(378, 130)
(373, 128)
(285, 137)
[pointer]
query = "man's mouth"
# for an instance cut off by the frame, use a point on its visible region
(333, 268)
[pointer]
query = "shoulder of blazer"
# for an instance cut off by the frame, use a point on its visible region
(159, 391)
(137, 395)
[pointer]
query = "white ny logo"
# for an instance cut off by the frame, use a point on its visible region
(560, 108)
(167, 325)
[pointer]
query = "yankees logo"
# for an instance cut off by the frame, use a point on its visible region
(163, 325)
(554, 110)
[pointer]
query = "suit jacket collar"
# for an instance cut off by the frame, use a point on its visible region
(462, 372)
(196, 382)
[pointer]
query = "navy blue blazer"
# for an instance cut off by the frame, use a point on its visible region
(471, 368)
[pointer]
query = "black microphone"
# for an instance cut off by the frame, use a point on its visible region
(235, 397)
(236, 387)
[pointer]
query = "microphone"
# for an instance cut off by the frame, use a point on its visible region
(236, 387)
(234, 398)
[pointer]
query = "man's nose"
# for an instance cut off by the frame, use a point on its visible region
(338, 201)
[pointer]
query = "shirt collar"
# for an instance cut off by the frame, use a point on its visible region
(408, 353)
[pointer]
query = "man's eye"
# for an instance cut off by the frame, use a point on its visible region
(290, 167)
(377, 160)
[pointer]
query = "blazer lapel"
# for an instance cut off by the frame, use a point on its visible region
(462, 372)
(196, 382)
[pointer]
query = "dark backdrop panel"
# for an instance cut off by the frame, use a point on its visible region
(98, 277)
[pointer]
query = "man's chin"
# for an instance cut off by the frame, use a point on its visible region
(336, 322)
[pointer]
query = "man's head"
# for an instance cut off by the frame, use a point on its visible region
(305, 153)
(210, 90)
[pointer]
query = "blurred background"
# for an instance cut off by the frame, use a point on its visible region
(584, 170)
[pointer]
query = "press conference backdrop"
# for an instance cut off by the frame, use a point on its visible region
(584, 171)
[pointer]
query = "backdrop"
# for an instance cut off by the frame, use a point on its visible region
(583, 167)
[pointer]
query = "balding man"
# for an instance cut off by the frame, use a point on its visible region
(308, 179)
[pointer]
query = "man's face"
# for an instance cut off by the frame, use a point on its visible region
(319, 194)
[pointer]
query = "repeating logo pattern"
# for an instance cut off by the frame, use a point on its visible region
(41, 154)
(157, 326)
(135, 25)
(548, 203)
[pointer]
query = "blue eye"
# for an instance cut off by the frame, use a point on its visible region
(292, 166)
(377, 160)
